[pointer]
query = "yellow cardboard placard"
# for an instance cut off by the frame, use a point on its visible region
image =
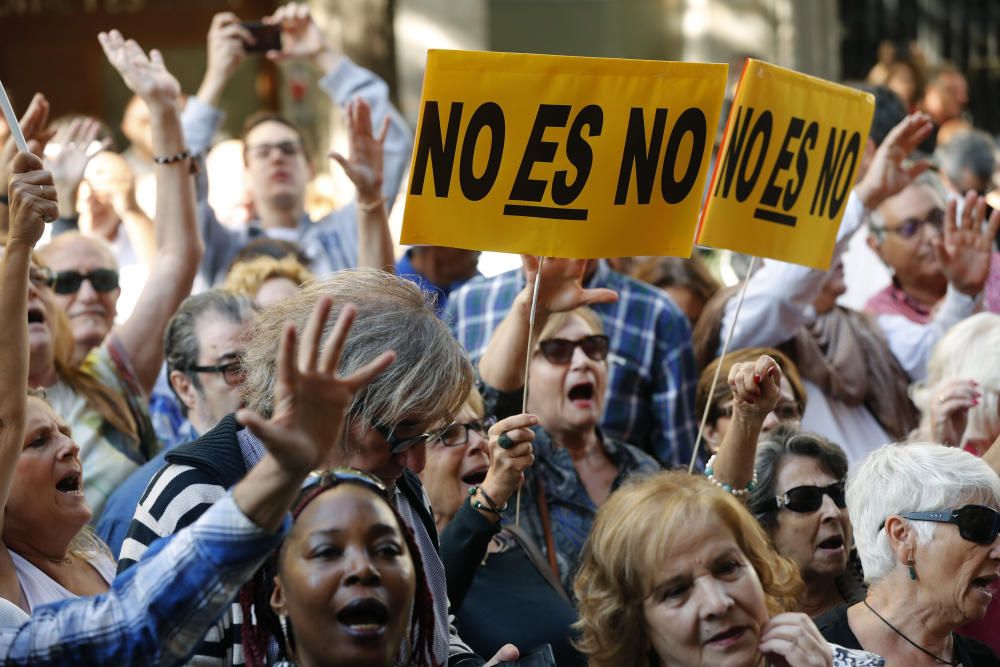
(791, 150)
(561, 156)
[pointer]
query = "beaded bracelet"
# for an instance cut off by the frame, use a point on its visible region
(170, 159)
(479, 506)
(739, 493)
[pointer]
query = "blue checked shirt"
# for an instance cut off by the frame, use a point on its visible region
(156, 612)
(651, 370)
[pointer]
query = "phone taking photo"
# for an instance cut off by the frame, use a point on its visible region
(267, 37)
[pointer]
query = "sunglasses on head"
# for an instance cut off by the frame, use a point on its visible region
(398, 445)
(976, 523)
(69, 282)
(560, 350)
(336, 476)
(806, 499)
(911, 226)
(458, 434)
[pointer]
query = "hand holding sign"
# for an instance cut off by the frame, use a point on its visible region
(888, 172)
(562, 287)
(966, 251)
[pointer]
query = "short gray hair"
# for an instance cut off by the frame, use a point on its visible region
(972, 150)
(180, 340)
(928, 179)
(431, 376)
(902, 478)
(782, 442)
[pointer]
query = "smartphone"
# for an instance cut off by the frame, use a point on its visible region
(540, 657)
(267, 36)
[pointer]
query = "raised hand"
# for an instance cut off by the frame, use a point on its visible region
(363, 164)
(112, 181)
(966, 250)
(34, 127)
(756, 387)
(227, 40)
(301, 38)
(562, 285)
(310, 400)
(949, 409)
(74, 143)
(889, 171)
(146, 76)
(509, 458)
(32, 200)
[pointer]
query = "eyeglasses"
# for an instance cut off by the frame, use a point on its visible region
(335, 476)
(560, 350)
(69, 282)
(232, 372)
(399, 445)
(911, 226)
(805, 499)
(40, 276)
(263, 151)
(976, 523)
(458, 434)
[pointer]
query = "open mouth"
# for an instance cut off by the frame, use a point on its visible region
(36, 315)
(728, 636)
(364, 618)
(584, 391)
(475, 478)
(71, 483)
(835, 542)
(987, 585)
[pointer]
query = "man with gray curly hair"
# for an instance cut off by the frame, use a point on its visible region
(388, 424)
(926, 525)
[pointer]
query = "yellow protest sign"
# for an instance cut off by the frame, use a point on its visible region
(561, 156)
(792, 147)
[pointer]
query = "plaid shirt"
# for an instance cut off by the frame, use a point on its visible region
(157, 612)
(651, 374)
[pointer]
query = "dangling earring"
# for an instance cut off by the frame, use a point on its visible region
(913, 571)
(286, 636)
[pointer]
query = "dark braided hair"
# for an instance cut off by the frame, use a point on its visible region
(255, 597)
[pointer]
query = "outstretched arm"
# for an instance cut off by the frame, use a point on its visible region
(502, 363)
(178, 245)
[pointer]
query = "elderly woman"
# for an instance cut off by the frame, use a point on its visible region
(347, 586)
(925, 523)
(576, 466)
(794, 483)
(493, 571)
(104, 399)
(677, 572)
(787, 412)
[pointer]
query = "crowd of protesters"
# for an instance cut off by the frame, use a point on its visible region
(233, 434)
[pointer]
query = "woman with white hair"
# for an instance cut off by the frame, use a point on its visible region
(960, 401)
(925, 525)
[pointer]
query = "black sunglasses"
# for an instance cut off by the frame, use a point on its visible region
(458, 434)
(560, 350)
(232, 372)
(68, 282)
(804, 499)
(976, 523)
(909, 227)
(398, 445)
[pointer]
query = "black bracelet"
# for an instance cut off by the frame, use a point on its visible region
(479, 506)
(492, 504)
(170, 159)
(5, 200)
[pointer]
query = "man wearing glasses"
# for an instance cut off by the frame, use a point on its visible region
(277, 167)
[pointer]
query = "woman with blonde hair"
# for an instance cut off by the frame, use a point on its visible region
(266, 279)
(677, 572)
